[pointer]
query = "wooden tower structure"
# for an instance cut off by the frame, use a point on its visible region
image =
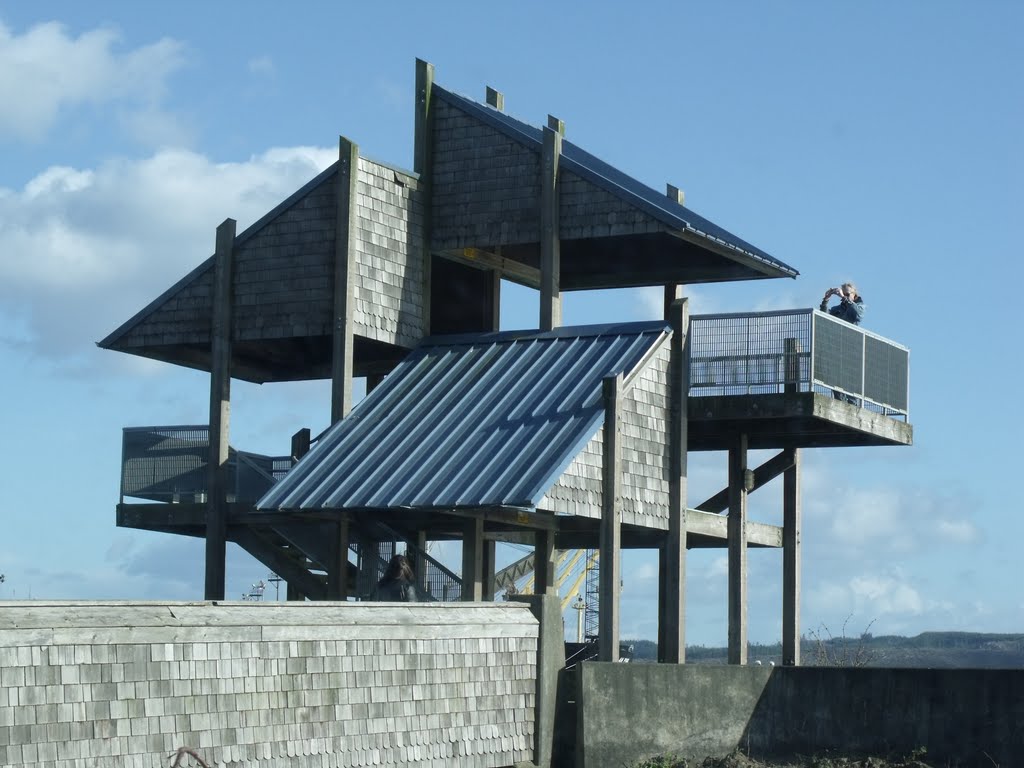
(560, 437)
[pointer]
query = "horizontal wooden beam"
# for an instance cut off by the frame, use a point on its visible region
(715, 526)
(509, 269)
(763, 475)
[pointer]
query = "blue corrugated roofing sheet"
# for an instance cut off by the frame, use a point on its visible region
(592, 168)
(478, 420)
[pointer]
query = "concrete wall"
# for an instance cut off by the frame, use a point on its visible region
(123, 685)
(961, 717)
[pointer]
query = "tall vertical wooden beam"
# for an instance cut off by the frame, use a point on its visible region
(220, 412)
(675, 550)
(489, 552)
(791, 523)
(342, 361)
(422, 164)
(337, 569)
(610, 576)
(472, 560)
(300, 447)
(740, 480)
(550, 245)
(544, 563)
(495, 298)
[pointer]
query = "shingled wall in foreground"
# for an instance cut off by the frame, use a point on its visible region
(123, 685)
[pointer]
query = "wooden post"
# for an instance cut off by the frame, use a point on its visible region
(472, 560)
(791, 365)
(489, 551)
(675, 193)
(423, 153)
(344, 277)
(610, 575)
(791, 562)
(299, 448)
(675, 554)
(300, 444)
(544, 563)
(337, 571)
(739, 480)
(220, 413)
(495, 99)
(550, 247)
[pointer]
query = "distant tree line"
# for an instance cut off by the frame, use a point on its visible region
(928, 649)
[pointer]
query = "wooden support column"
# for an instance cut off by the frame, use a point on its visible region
(300, 447)
(740, 481)
(544, 563)
(344, 278)
(610, 575)
(489, 551)
(422, 164)
(220, 413)
(472, 560)
(300, 444)
(675, 550)
(495, 99)
(791, 563)
(550, 245)
(337, 570)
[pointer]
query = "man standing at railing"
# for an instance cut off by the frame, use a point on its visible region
(850, 307)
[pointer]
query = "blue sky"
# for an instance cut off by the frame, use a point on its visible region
(874, 141)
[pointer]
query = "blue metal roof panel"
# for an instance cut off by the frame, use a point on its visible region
(611, 178)
(469, 421)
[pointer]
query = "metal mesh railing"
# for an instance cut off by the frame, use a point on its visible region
(797, 350)
(436, 582)
(170, 464)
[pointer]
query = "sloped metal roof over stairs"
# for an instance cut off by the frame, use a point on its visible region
(470, 421)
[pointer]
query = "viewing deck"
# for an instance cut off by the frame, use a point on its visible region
(795, 379)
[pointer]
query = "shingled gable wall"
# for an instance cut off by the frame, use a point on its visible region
(587, 210)
(486, 185)
(283, 272)
(271, 684)
(644, 458)
(389, 256)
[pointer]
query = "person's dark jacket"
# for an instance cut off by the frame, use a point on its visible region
(397, 591)
(850, 311)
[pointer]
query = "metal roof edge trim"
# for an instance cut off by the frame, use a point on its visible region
(663, 213)
(529, 135)
(566, 331)
(248, 232)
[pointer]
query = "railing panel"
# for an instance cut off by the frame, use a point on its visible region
(797, 350)
(169, 464)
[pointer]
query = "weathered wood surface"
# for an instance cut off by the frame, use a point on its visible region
(47, 614)
(789, 420)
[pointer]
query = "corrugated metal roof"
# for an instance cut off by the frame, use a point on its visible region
(476, 420)
(578, 160)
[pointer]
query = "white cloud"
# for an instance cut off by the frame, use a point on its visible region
(957, 531)
(262, 65)
(885, 594)
(83, 250)
(46, 70)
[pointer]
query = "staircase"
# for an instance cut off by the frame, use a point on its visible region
(169, 465)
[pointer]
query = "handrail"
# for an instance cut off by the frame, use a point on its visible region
(801, 350)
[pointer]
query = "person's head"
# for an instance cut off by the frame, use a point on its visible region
(398, 568)
(849, 290)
